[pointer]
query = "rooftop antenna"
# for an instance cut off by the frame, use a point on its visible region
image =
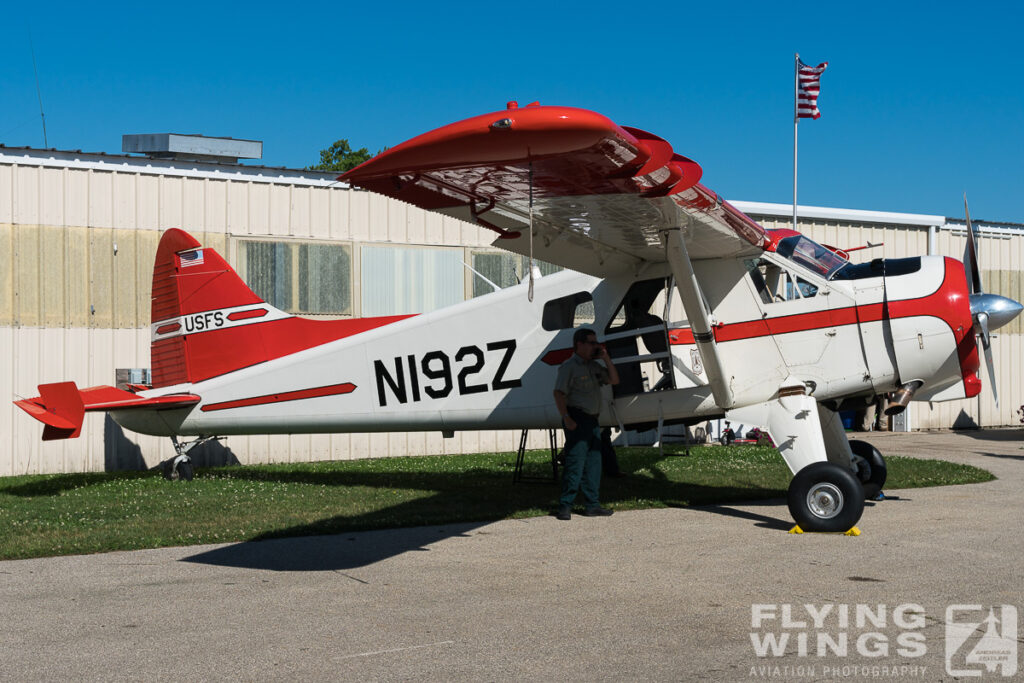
(39, 93)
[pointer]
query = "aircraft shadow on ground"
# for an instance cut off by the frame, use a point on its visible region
(336, 552)
(763, 521)
(1005, 456)
(1013, 434)
(342, 542)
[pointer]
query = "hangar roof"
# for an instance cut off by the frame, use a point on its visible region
(124, 163)
(953, 223)
(31, 156)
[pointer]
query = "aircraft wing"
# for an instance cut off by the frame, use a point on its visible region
(598, 195)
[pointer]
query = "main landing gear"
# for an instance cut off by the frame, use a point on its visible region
(832, 476)
(870, 466)
(179, 468)
(825, 497)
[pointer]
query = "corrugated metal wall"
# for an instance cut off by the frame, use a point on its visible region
(78, 236)
(999, 257)
(76, 256)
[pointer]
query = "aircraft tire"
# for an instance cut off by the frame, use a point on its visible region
(876, 479)
(184, 471)
(826, 497)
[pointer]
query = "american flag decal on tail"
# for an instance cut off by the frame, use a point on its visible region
(191, 258)
(808, 89)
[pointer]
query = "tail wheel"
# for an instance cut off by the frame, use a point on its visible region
(185, 472)
(826, 497)
(872, 477)
(178, 469)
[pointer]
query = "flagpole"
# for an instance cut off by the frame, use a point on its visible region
(796, 121)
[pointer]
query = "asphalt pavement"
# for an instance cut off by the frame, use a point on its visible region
(711, 593)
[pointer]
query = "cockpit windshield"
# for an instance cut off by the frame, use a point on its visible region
(811, 255)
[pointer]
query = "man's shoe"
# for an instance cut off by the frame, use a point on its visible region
(598, 512)
(564, 513)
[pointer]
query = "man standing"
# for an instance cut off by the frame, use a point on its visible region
(578, 398)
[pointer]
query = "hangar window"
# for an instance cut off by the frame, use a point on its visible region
(503, 269)
(400, 280)
(298, 276)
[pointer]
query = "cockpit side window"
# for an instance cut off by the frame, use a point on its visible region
(775, 284)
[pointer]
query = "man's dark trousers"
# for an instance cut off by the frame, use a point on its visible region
(582, 472)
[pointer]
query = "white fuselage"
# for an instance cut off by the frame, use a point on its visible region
(490, 362)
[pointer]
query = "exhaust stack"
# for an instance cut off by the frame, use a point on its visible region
(902, 396)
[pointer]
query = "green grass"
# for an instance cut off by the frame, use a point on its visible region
(84, 513)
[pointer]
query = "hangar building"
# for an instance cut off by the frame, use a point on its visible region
(79, 232)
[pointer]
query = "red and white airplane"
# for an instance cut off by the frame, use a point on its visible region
(776, 331)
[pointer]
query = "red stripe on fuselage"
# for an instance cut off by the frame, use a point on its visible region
(939, 304)
(949, 303)
(214, 352)
(556, 356)
(298, 395)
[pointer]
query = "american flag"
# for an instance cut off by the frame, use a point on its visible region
(191, 258)
(809, 79)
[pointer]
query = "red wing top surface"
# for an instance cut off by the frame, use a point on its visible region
(601, 193)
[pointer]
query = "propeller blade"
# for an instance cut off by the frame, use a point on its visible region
(986, 344)
(971, 255)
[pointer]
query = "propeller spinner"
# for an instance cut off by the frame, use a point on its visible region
(989, 311)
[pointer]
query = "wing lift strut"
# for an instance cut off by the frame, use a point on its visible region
(698, 315)
(826, 493)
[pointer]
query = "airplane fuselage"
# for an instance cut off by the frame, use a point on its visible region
(490, 362)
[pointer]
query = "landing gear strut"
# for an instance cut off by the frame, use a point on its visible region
(825, 494)
(180, 466)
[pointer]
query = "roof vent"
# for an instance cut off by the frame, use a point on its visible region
(192, 147)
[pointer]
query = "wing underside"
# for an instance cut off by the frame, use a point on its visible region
(598, 196)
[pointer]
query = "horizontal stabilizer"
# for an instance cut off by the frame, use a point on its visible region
(62, 406)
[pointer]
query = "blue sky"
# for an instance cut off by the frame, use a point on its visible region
(920, 103)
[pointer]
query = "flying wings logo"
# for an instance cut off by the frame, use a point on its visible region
(980, 640)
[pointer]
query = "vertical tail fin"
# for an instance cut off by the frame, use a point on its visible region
(207, 322)
(190, 282)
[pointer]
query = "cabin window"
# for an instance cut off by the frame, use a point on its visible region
(568, 312)
(400, 280)
(774, 284)
(297, 276)
(642, 306)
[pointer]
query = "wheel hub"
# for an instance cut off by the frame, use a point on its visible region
(825, 500)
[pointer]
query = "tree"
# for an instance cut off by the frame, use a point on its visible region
(341, 157)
